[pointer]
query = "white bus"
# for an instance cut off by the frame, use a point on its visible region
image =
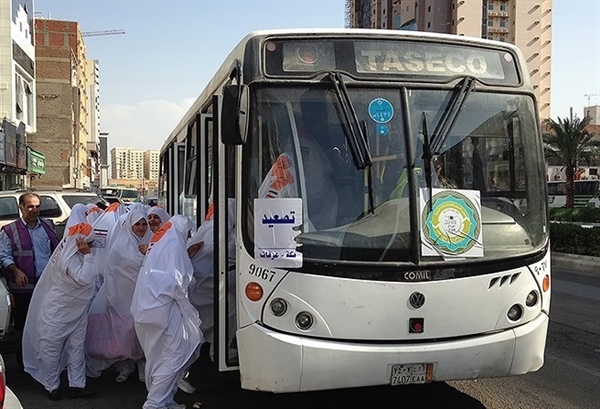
(391, 222)
(586, 193)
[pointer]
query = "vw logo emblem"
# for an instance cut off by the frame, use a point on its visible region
(416, 300)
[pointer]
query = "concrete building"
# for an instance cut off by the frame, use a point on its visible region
(19, 162)
(63, 105)
(93, 142)
(525, 23)
(135, 168)
(594, 113)
(126, 163)
(151, 161)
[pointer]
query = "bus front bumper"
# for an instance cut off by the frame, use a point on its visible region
(276, 362)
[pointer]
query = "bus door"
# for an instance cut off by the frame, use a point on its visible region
(196, 194)
(223, 193)
(204, 166)
(173, 162)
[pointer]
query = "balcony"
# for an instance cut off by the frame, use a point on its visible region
(502, 30)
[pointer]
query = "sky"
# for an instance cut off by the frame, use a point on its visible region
(151, 75)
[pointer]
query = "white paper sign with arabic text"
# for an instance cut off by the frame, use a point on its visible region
(277, 222)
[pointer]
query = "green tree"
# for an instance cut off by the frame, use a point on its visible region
(569, 142)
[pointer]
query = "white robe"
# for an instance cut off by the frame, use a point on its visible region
(104, 226)
(54, 333)
(111, 334)
(167, 324)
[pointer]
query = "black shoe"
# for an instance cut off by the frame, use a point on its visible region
(54, 394)
(78, 393)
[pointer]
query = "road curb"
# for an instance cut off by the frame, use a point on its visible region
(584, 264)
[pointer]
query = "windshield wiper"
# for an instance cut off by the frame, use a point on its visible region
(427, 158)
(357, 140)
(448, 118)
(356, 133)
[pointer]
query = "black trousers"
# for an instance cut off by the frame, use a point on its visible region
(22, 301)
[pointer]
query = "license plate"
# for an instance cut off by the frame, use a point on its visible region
(406, 374)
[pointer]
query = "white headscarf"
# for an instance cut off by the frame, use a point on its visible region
(78, 215)
(172, 236)
(77, 226)
(136, 205)
(93, 212)
(160, 212)
(125, 261)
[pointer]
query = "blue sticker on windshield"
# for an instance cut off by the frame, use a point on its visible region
(382, 130)
(381, 111)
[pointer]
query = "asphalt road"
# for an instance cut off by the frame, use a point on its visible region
(569, 379)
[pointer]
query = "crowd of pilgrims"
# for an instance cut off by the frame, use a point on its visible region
(123, 289)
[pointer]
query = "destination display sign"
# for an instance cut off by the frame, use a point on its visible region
(390, 58)
(431, 60)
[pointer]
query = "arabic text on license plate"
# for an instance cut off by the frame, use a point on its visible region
(406, 374)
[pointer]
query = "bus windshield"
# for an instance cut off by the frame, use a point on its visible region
(299, 148)
(129, 194)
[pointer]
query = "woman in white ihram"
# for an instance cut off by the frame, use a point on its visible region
(111, 337)
(54, 333)
(167, 324)
(157, 216)
(103, 227)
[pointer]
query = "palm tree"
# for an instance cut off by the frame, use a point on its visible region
(569, 142)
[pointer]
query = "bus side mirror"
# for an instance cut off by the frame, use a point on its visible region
(234, 114)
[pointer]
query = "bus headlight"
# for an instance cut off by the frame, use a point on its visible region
(515, 312)
(304, 320)
(278, 307)
(532, 299)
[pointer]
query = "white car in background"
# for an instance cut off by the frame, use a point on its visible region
(55, 205)
(8, 399)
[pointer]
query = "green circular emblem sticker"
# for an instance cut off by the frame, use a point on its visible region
(453, 224)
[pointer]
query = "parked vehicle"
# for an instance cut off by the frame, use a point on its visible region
(10, 338)
(8, 400)
(126, 194)
(111, 199)
(55, 205)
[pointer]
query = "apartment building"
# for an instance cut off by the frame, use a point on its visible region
(63, 105)
(151, 160)
(127, 163)
(135, 168)
(525, 23)
(19, 162)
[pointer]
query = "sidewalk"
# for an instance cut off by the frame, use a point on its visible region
(584, 264)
